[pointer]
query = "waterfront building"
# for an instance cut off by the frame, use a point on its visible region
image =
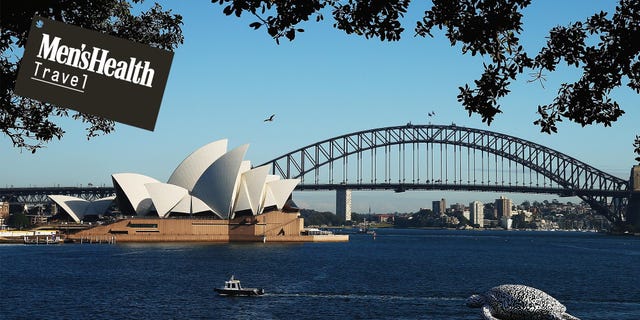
(477, 213)
(527, 216)
(209, 182)
(439, 207)
(385, 218)
(506, 222)
(36, 219)
(435, 207)
(503, 207)
(4, 210)
(218, 187)
(466, 213)
(4, 214)
(457, 207)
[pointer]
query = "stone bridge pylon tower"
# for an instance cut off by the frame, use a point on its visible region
(633, 214)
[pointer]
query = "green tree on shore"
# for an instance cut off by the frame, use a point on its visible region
(317, 218)
(18, 221)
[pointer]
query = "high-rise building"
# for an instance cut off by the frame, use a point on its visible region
(4, 214)
(435, 207)
(503, 207)
(506, 223)
(4, 210)
(457, 207)
(477, 213)
(466, 213)
(439, 207)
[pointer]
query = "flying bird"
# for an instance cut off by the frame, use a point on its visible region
(270, 118)
(431, 114)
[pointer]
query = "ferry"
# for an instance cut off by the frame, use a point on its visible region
(31, 237)
(232, 287)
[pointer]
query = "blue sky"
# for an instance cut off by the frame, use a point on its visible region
(226, 78)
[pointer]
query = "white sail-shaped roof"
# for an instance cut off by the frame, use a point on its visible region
(281, 189)
(190, 204)
(198, 205)
(78, 208)
(243, 202)
(216, 186)
(267, 199)
(192, 167)
(99, 206)
(255, 181)
(184, 205)
(244, 167)
(132, 184)
(208, 180)
(165, 196)
(75, 207)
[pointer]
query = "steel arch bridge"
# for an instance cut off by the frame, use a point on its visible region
(450, 157)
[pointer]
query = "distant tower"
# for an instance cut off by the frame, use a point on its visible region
(635, 178)
(343, 204)
(477, 213)
(439, 206)
(633, 210)
(435, 207)
(503, 207)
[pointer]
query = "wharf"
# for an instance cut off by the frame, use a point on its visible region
(31, 237)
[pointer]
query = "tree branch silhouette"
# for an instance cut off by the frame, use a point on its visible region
(605, 47)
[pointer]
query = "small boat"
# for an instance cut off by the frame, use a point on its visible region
(232, 287)
(366, 231)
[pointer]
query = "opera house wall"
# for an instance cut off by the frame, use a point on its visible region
(274, 226)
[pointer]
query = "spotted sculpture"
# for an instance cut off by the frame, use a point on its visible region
(518, 302)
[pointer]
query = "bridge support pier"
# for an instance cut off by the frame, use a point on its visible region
(343, 204)
(633, 208)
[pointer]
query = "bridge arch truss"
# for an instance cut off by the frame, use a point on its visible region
(449, 157)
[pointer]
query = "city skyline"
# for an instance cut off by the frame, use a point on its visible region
(227, 78)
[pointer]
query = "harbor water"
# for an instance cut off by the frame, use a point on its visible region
(401, 274)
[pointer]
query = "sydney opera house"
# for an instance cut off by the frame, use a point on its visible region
(213, 195)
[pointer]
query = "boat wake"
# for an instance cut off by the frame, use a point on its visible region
(362, 296)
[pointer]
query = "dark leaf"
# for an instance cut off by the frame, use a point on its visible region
(228, 10)
(291, 34)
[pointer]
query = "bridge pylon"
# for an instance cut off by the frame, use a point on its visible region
(633, 209)
(343, 203)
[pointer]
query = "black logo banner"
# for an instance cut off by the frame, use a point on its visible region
(93, 72)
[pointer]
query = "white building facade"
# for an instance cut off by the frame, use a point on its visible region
(477, 213)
